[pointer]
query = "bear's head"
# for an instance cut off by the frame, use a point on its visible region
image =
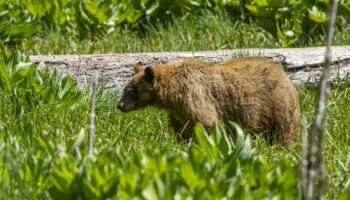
(139, 92)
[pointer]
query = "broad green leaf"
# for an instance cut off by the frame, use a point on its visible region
(3, 13)
(206, 143)
(66, 86)
(317, 15)
(221, 139)
(242, 148)
(79, 139)
(189, 175)
(261, 3)
(61, 178)
(260, 11)
(5, 78)
(150, 192)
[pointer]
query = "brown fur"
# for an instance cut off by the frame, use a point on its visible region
(251, 91)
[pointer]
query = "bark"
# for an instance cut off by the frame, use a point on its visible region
(302, 64)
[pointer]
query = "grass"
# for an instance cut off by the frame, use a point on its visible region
(39, 140)
(150, 129)
(147, 131)
(193, 33)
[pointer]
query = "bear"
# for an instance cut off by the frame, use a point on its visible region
(253, 92)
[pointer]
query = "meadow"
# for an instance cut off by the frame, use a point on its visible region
(44, 122)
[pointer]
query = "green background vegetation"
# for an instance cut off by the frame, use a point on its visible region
(43, 118)
(89, 26)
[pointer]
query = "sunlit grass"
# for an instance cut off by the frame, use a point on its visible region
(193, 33)
(47, 131)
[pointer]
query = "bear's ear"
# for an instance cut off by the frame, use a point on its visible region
(137, 68)
(149, 74)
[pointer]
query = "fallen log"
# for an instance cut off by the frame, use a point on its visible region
(303, 65)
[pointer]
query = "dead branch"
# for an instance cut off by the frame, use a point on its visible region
(314, 185)
(92, 116)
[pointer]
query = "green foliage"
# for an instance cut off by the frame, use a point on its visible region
(169, 174)
(287, 20)
(177, 35)
(43, 149)
(27, 85)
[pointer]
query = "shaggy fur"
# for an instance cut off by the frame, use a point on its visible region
(251, 91)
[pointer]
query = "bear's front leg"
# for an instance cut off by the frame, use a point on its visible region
(184, 129)
(207, 118)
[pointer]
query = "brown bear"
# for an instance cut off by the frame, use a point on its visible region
(252, 91)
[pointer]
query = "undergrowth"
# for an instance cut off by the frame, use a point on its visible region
(136, 155)
(209, 31)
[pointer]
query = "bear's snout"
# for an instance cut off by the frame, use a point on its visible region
(126, 106)
(121, 106)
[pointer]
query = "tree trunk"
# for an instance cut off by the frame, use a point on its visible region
(302, 64)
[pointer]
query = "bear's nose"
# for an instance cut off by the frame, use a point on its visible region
(121, 105)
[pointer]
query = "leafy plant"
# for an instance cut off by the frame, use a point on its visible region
(43, 150)
(217, 168)
(29, 85)
(287, 20)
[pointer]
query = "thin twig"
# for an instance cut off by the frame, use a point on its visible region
(305, 147)
(92, 115)
(316, 170)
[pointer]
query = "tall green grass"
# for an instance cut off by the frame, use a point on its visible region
(289, 21)
(44, 123)
(43, 148)
(209, 31)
